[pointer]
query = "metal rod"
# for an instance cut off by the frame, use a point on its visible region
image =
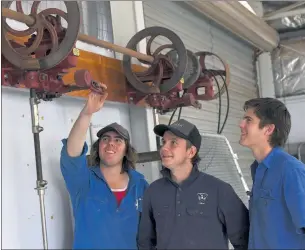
(284, 9)
(285, 14)
(28, 20)
(18, 16)
(116, 48)
(299, 150)
(240, 173)
(41, 184)
(148, 157)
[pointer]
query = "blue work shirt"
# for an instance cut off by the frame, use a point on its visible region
(277, 204)
(99, 222)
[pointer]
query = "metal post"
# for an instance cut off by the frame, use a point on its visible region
(299, 150)
(148, 157)
(41, 184)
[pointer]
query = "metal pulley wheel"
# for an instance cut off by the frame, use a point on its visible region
(22, 57)
(193, 68)
(164, 75)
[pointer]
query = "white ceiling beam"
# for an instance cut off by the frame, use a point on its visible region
(234, 17)
(284, 9)
(285, 14)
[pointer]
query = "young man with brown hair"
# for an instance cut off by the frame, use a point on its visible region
(277, 203)
(106, 192)
(188, 209)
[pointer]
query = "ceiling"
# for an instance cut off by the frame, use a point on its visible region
(287, 17)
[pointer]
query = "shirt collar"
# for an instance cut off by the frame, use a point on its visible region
(133, 175)
(192, 177)
(271, 158)
(269, 161)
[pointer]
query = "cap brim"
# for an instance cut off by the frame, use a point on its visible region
(107, 129)
(161, 129)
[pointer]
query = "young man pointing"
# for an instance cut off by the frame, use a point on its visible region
(107, 191)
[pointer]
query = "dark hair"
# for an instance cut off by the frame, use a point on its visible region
(129, 160)
(196, 158)
(272, 111)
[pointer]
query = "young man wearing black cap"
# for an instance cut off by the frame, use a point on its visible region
(106, 192)
(188, 209)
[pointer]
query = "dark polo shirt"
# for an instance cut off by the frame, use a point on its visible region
(203, 212)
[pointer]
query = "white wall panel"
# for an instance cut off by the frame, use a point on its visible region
(21, 226)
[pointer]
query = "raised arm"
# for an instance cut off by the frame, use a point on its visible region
(78, 132)
(236, 217)
(73, 161)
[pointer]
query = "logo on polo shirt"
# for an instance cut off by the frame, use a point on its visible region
(202, 197)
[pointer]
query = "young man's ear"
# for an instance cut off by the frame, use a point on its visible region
(269, 129)
(193, 151)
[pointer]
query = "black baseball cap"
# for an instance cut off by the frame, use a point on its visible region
(182, 129)
(116, 128)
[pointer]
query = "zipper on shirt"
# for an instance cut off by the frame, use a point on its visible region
(129, 187)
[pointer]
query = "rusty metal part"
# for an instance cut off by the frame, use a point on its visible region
(171, 101)
(207, 78)
(30, 21)
(83, 79)
(193, 67)
(159, 85)
(49, 82)
(162, 75)
(164, 103)
(205, 82)
(22, 58)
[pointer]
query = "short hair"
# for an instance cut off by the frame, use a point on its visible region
(196, 158)
(272, 111)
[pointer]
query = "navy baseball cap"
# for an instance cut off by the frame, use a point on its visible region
(116, 128)
(182, 129)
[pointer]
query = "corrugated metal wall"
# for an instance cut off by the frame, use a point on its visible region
(199, 34)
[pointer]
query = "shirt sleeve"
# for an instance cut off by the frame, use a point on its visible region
(146, 237)
(235, 217)
(146, 185)
(294, 191)
(74, 169)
